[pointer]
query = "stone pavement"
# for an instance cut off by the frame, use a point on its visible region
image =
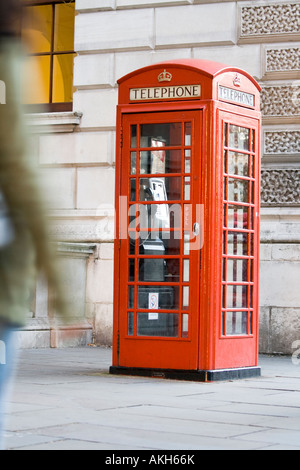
(65, 399)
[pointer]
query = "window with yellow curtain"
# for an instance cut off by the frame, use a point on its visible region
(48, 33)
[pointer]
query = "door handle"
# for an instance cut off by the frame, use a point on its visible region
(196, 229)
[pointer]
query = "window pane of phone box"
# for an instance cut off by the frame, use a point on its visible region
(157, 324)
(130, 324)
(237, 270)
(238, 164)
(237, 243)
(236, 323)
(238, 190)
(236, 296)
(159, 270)
(239, 137)
(238, 217)
(160, 161)
(160, 243)
(160, 189)
(158, 297)
(167, 134)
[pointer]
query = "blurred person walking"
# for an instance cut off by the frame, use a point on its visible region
(24, 246)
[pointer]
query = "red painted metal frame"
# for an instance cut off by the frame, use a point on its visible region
(215, 351)
(159, 351)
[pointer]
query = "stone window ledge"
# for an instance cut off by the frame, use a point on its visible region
(49, 123)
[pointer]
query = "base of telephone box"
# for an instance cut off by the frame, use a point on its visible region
(191, 375)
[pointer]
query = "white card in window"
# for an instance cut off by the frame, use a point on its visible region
(153, 316)
(153, 301)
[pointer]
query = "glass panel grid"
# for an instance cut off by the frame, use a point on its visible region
(238, 229)
(159, 291)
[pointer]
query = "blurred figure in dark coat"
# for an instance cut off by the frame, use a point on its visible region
(24, 246)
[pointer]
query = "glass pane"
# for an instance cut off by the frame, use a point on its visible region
(238, 190)
(63, 78)
(131, 245)
(133, 213)
(251, 218)
(236, 323)
(237, 217)
(153, 225)
(37, 29)
(185, 297)
(223, 323)
(225, 189)
(131, 297)
(160, 161)
(225, 134)
(158, 297)
(187, 161)
(251, 244)
(187, 188)
(37, 87)
(64, 27)
(251, 270)
(253, 140)
(186, 247)
(133, 163)
(252, 162)
(159, 270)
(237, 243)
(156, 135)
(186, 270)
(161, 243)
(160, 189)
(185, 325)
(236, 297)
(133, 136)
(237, 270)
(187, 134)
(131, 274)
(252, 191)
(130, 323)
(224, 264)
(238, 164)
(239, 137)
(157, 324)
(251, 296)
(133, 189)
(225, 161)
(155, 221)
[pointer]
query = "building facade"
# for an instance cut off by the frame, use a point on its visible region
(75, 147)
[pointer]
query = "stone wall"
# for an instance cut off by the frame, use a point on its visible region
(115, 37)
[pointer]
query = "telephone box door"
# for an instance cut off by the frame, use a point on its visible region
(238, 339)
(160, 237)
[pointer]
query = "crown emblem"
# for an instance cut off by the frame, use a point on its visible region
(237, 80)
(165, 76)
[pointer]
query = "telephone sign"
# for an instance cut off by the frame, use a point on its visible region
(165, 93)
(236, 96)
(187, 222)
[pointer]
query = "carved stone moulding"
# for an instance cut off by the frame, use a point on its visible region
(280, 187)
(281, 145)
(281, 62)
(269, 21)
(281, 103)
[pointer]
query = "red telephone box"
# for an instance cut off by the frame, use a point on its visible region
(187, 222)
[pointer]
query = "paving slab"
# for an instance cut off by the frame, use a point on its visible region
(65, 399)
